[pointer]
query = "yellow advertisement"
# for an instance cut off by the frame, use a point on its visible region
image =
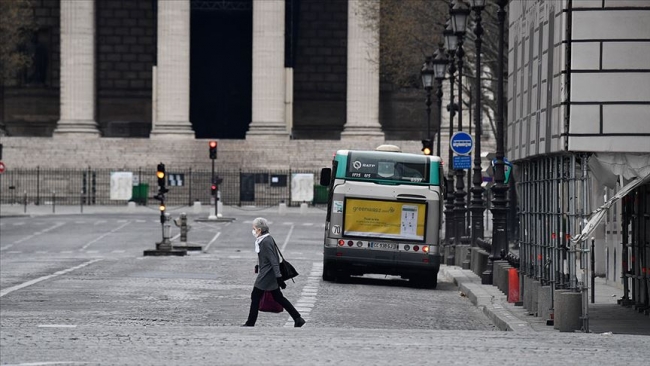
(384, 219)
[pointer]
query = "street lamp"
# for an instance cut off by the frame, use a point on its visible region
(477, 206)
(499, 189)
(451, 42)
(439, 71)
(459, 14)
(427, 82)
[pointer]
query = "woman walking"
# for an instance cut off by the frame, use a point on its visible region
(268, 276)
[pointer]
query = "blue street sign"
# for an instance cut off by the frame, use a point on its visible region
(462, 143)
(462, 162)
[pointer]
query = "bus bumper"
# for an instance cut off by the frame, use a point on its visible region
(359, 262)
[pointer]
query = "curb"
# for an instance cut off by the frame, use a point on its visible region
(486, 297)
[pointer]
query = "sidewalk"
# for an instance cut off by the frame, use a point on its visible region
(605, 315)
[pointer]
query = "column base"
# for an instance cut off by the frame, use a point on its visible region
(182, 129)
(355, 133)
(259, 130)
(77, 128)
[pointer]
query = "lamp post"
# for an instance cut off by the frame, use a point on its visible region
(450, 45)
(477, 206)
(427, 82)
(459, 14)
(439, 71)
(499, 189)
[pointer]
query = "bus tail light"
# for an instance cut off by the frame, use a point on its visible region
(416, 248)
(341, 242)
(425, 249)
(350, 243)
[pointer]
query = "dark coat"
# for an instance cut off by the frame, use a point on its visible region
(269, 267)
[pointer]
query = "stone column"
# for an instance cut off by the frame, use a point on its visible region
(77, 69)
(363, 72)
(268, 70)
(173, 71)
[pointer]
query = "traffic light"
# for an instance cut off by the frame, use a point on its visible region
(427, 147)
(160, 173)
(213, 189)
(213, 149)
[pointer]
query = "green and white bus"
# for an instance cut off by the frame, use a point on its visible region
(384, 215)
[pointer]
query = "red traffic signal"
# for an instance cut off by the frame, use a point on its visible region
(213, 149)
(213, 189)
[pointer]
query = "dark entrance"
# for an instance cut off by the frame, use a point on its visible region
(221, 53)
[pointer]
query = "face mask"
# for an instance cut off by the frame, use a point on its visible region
(254, 233)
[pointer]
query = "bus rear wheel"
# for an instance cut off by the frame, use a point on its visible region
(329, 272)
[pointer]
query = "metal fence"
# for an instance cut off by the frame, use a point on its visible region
(93, 187)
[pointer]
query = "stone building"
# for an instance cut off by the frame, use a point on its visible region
(578, 132)
(207, 68)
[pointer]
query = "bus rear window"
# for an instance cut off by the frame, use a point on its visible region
(376, 165)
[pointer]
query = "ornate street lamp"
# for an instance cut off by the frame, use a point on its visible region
(427, 82)
(459, 14)
(499, 189)
(477, 205)
(439, 71)
(451, 42)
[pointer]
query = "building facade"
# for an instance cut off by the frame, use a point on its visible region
(307, 69)
(578, 130)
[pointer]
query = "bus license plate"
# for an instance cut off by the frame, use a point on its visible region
(383, 246)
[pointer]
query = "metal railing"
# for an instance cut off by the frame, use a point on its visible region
(244, 187)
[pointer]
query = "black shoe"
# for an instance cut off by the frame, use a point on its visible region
(247, 325)
(299, 323)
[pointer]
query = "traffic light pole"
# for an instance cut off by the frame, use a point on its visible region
(216, 193)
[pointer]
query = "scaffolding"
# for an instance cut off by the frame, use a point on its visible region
(555, 201)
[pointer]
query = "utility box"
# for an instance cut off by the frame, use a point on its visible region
(140, 193)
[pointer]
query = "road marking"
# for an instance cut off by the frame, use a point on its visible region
(40, 251)
(140, 221)
(47, 363)
(79, 222)
(286, 241)
(37, 280)
(66, 251)
(104, 235)
(309, 293)
(175, 237)
(14, 252)
(122, 220)
(58, 224)
(308, 224)
(118, 251)
(19, 223)
(211, 241)
(99, 222)
(56, 326)
(287, 223)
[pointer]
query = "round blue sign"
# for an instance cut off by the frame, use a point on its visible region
(462, 143)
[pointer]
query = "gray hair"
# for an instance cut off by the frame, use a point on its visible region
(261, 224)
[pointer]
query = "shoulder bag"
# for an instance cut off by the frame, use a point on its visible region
(286, 269)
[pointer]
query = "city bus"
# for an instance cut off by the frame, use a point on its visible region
(384, 215)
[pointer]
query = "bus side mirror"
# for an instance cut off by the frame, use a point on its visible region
(325, 176)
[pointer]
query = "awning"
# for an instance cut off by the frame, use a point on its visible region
(606, 167)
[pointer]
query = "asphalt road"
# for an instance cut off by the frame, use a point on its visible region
(77, 290)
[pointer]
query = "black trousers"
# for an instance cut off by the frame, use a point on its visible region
(256, 296)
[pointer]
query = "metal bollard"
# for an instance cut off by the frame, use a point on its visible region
(25, 202)
(53, 201)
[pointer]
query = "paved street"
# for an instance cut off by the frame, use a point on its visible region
(76, 289)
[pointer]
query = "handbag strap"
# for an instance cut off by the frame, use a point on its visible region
(278, 249)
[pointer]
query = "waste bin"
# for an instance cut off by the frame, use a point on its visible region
(320, 194)
(140, 193)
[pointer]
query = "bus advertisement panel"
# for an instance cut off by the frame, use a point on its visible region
(384, 219)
